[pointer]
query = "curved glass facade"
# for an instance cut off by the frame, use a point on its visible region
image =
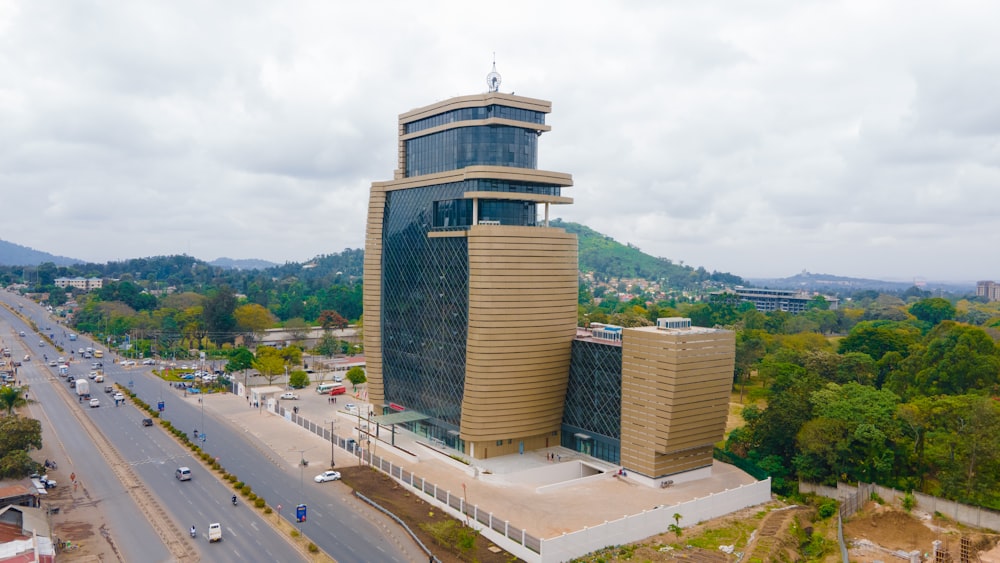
(454, 149)
(466, 114)
(425, 307)
(454, 214)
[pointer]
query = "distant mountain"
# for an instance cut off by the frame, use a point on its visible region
(829, 283)
(16, 255)
(244, 264)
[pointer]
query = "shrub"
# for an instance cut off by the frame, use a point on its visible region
(252, 496)
(268, 510)
(909, 502)
(827, 508)
(246, 491)
(231, 477)
(295, 533)
(259, 502)
(312, 548)
(239, 485)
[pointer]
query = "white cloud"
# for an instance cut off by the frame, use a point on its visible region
(848, 137)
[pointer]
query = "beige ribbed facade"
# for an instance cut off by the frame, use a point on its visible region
(372, 297)
(675, 397)
(522, 320)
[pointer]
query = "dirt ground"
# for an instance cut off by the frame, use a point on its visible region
(410, 508)
(80, 519)
(891, 529)
(766, 534)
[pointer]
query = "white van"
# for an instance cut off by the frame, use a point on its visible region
(324, 388)
(183, 474)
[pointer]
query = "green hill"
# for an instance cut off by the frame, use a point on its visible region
(607, 258)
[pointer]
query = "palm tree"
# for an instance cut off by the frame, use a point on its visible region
(11, 398)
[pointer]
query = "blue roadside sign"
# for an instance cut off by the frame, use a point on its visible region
(300, 513)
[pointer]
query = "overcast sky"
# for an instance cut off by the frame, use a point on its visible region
(758, 138)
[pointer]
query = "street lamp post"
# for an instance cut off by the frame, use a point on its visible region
(302, 486)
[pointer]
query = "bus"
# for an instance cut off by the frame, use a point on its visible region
(331, 389)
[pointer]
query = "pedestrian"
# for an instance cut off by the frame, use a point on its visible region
(72, 476)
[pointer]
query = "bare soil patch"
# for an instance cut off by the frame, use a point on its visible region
(407, 505)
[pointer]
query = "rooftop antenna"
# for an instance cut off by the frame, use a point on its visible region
(493, 78)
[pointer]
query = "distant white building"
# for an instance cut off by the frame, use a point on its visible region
(788, 300)
(86, 284)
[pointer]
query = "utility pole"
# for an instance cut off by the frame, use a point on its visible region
(333, 439)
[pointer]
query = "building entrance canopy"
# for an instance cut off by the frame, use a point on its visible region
(399, 417)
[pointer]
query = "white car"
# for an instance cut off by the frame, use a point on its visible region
(95, 402)
(289, 395)
(119, 396)
(327, 476)
(351, 408)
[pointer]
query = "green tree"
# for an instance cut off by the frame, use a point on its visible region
(270, 366)
(851, 435)
(252, 320)
(218, 314)
(17, 463)
(953, 359)
(12, 398)
(327, 345)
(298, 379)
(933, 310)
(876, 338)
(19, 433)
(356, 375)
(240, 359)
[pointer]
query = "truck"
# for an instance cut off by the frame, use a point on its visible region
(83, 388)
(214, 532)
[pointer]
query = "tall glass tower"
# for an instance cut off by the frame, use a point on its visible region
(470, 296)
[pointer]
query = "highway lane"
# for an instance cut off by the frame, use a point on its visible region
(204, 499)
(132, 534)
(154, 456)
(331, 523)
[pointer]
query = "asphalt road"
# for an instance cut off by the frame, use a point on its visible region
(154, 456)
(133, 535)
(331, 524)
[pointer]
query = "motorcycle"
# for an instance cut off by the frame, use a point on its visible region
(51, 465)
(234, 500)
(194, 533)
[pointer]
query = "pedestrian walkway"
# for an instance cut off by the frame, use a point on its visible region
(518, 488)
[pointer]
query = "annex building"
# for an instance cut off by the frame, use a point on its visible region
(470, 308)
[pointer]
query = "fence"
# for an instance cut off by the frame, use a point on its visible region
(567, 546)
(963, 513)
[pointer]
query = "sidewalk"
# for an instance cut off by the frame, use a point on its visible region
(281, 442)
(528, 490)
